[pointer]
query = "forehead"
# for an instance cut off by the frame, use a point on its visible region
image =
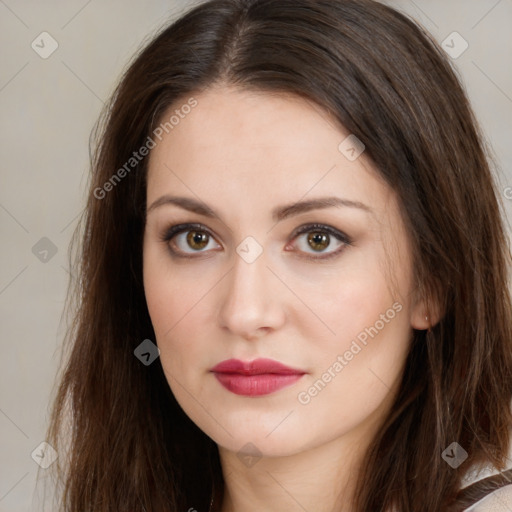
(237, 124)
(267, 146)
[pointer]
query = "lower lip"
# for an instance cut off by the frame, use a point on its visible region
(256, 385)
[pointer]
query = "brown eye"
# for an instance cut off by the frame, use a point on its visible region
(189, 240)
(318, 241)
(325, 241)
(197, 240)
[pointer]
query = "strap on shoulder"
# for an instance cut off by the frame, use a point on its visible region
(477, 491)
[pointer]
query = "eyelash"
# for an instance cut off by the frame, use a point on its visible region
(171, 232)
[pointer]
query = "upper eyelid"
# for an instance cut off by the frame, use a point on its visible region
(186, 226)
(322, 227)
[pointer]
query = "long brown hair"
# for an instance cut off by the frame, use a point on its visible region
(124, 442)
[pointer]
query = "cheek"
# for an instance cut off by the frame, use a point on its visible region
(349, 300)
(168, 289)
(355, 372)
(367, 336)
(175, 297)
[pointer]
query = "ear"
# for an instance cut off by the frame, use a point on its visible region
(426, 311)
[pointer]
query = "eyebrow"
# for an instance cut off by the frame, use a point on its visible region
(279, 213)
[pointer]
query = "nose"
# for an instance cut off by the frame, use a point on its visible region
(252, 302)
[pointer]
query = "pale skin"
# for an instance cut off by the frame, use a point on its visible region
(244, 154)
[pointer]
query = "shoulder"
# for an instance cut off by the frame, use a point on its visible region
(498, 501)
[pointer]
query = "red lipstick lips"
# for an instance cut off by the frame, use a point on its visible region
(255, 378)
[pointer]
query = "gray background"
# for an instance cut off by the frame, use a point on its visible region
(48, 109)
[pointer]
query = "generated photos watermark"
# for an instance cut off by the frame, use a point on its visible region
(357, 345)
(137, 156)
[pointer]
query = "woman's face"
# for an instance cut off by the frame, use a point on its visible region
(297, 254)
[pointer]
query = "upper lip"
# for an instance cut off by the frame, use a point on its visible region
(256, 367)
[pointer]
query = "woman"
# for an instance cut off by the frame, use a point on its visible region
(290, 199)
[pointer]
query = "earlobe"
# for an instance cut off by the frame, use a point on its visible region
(420, 321)
(425, 315)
